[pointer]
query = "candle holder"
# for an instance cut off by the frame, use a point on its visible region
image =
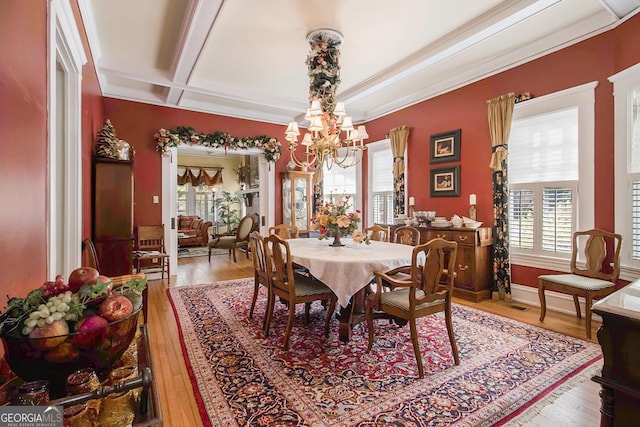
(472, 212)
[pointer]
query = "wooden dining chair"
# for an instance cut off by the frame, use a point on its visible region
(238, 240)
(150, 249)
(89, 254)
(261, 275)
(406, 235)
(378, 232)
(290, 288)
(592, 281)
(420, 295)
(285, 231)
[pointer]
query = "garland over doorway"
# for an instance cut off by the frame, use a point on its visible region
(167, 139)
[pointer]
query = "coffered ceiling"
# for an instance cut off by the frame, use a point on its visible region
(246, 58)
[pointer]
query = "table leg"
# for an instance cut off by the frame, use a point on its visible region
(352, 314)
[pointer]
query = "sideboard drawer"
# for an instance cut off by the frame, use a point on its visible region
(427, 235)
(466, 238)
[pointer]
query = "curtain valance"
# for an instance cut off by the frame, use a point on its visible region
(197, 176)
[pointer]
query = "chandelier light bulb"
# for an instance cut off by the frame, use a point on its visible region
(292, 129)
(347, 124)
(339, 111)
(316, 124)
(362, 132)
(316, 109)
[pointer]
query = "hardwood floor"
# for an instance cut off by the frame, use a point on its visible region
(578, 406)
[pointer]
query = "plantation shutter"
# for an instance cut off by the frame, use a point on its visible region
(557, 219)
(634, 174)
(382, 186)
(521, 218)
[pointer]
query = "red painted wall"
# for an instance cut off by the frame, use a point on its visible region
(92, 120)
(23, 162)
(137, 123)
(24, 147)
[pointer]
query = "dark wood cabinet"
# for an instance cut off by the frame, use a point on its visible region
(473, 261)
(113, 215)
(619, 337)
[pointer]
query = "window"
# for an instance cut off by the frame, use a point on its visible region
(550, 148)
(626, 88)
(196, 201)
(204, 199)
(380, 162)
(183, 190)
(339, 181)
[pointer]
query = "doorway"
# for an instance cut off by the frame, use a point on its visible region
(265, 186)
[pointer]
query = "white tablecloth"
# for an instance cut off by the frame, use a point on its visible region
(349, 268)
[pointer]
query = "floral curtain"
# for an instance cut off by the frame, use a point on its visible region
(399, 137)
(500, 117)
(197, 176)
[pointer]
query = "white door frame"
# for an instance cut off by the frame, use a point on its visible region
(64, 189)
(266, 189)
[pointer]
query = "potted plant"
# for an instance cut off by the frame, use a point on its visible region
(242, 174)
(228, 215)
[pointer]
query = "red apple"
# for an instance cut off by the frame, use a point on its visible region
(90, 331)
(116, 307)
(58, 330)
(82, 275)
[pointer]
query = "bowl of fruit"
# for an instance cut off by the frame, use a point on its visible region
(65, 326)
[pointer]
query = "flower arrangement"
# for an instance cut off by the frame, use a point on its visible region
(166, 139)
(323, 63)
(333, 220)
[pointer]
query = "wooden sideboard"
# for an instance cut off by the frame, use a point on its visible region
(473, 262)
(619, 337)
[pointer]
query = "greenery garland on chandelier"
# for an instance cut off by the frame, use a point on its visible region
(167, 139)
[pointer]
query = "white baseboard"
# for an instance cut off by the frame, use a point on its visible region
(555, 301)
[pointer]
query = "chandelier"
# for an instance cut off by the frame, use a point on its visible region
(331, 137)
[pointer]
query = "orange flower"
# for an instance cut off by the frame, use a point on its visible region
(323, 220)
(343, 221)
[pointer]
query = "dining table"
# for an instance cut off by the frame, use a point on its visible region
(348, 270)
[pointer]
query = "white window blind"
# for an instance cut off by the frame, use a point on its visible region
(544, 148)
(381, 175)
(382, 165)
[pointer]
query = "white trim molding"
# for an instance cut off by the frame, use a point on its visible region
(65, 58)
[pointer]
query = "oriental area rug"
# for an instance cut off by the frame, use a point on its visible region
(241, 378)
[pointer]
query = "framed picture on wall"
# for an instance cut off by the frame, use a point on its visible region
(445, 182)
(445, 147)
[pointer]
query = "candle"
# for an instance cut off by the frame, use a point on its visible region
(472, 199)
(412, 201)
